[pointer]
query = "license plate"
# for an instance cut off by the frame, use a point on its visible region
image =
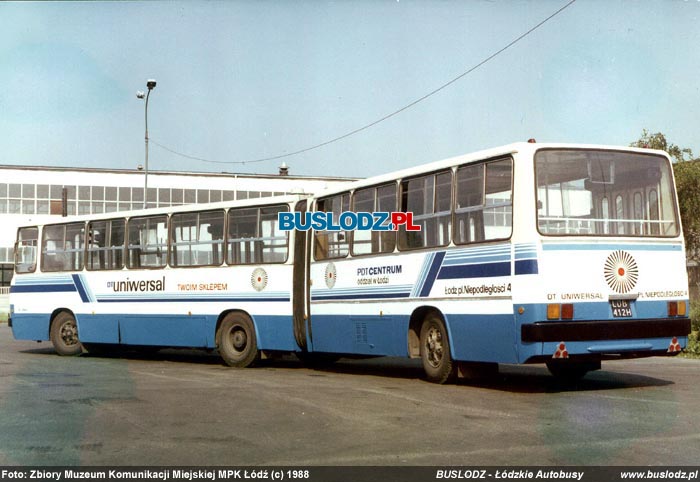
(621, 308)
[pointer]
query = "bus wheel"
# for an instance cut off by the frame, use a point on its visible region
(435, 350)
(64, 335)
(238, 345)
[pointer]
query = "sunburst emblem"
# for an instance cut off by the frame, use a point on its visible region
(330, 275)
(621, 271)
(258, 279)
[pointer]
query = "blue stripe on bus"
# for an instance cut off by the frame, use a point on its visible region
(493, 258)
(189, 300)
(485, 270)
(42, 288)
(81, 289)
(526, 266)
(432, 274)
(361, 296)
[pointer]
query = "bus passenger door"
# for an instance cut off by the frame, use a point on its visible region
(300, 280)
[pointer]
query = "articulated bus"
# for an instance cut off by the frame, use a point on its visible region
(559, 254)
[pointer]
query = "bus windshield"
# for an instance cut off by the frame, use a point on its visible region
(604, 193)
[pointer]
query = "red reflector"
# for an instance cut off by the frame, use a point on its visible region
(567, 311)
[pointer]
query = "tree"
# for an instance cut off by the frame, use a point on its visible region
(686, 170)
(658, 141)
(688, 186)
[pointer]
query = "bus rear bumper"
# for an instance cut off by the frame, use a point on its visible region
(604, 330)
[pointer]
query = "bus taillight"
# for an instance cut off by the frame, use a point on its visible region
(560, 312)
(677, 308)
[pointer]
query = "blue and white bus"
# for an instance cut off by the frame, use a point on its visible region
(193, 276)
(529, 253)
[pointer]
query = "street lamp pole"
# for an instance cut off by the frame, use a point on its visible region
(150, 83)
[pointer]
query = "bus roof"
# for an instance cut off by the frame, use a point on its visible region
(490, 153)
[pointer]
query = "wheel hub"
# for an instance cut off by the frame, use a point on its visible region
(434, 347)
(69, 334)
(239, 339)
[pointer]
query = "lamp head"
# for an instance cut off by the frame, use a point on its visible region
(150, 83)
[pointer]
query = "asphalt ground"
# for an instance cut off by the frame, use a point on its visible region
(180, 408)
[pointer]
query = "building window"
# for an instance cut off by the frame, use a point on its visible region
(125, 194)
(137, 195)
(98, 193)
(14, 206)
(163, 197)
(83, 208)
(110, 193)
(28, 191)
(7, 270)
(84, 193)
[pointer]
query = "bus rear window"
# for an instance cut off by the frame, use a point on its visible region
(604, 193)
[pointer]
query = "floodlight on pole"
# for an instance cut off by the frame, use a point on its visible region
(150, 84)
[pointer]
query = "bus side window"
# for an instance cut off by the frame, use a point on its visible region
(484, 209)
(147, 242)
(26, 250)
(105, 250)
(429, 198)
(252, 236)
(241, 235)
(332, 244)
(197, 238)
(374, 199)
(274, 244)
(63, 247)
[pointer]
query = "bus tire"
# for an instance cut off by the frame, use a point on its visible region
(64, 335)
(237, 343)
(435, 350)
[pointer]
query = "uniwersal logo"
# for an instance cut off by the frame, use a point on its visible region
(347, 221)
(621, 271)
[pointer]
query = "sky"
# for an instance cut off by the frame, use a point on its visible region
(239, 81)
